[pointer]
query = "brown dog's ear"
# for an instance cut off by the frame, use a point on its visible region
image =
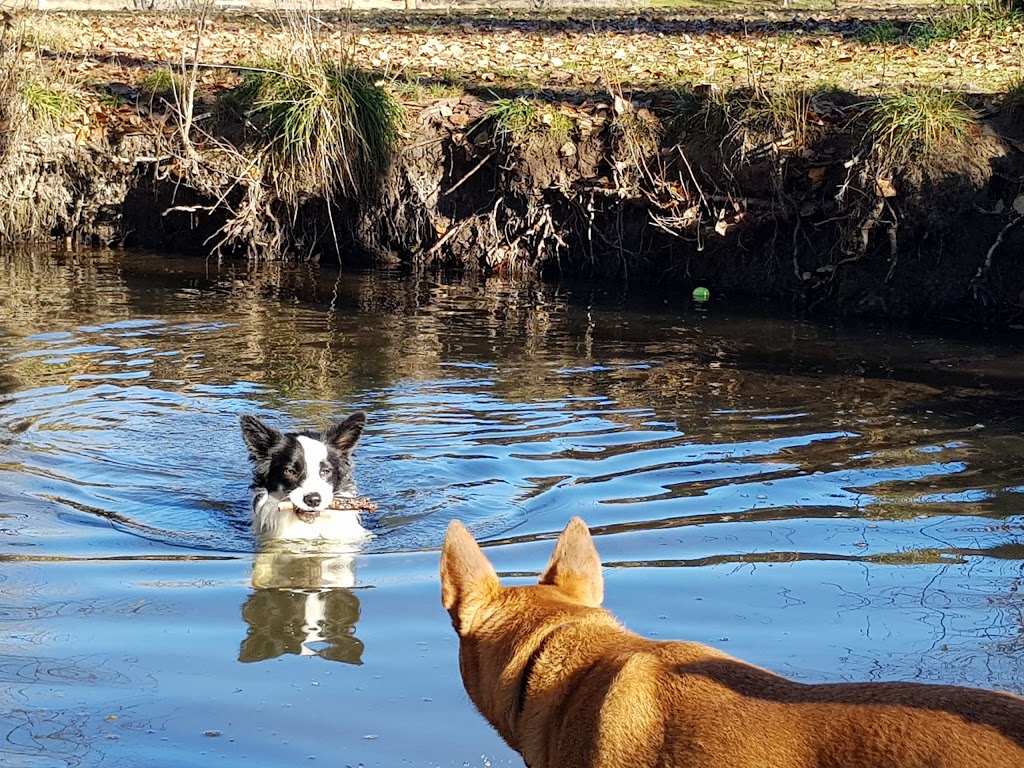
(575, 567)
(467, 577)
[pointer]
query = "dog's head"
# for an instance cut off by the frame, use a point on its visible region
(308, 469)
(470, 587)
(501, 628)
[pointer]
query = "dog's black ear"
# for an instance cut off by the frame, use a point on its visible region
(467, 577)
(575, 567)
(259, 438)
(344, 435)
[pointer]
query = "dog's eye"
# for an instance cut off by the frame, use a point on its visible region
(289, 473)
(325, 472)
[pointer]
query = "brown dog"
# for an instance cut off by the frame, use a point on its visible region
(567, 686)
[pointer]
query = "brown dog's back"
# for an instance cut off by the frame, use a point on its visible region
(568, 687)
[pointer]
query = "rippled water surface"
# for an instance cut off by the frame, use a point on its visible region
(834, 505)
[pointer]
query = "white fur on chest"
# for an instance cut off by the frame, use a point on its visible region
(271, 522)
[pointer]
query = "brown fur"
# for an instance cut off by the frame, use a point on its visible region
(567, 686)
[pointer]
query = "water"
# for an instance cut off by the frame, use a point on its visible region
(834, 505)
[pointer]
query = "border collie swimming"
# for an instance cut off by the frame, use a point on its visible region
(309, 470)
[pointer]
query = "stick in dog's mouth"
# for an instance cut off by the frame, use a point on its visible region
(360, 504)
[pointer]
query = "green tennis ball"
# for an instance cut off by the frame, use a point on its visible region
(701, 294)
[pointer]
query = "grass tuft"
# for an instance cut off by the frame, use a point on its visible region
(514, 120)
(425, 91)
(918, 123)
(48, 108)
(559, 126)
(1012, 106)
(780, 114)
(755, 119)
(163, 82)
(883, 33)
(970, 18)
(520, 122)
(326, 124)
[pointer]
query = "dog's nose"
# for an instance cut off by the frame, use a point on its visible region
(311, 499)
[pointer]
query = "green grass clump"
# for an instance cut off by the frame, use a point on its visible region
(49, 108)
(559, 126)
(918, 123)
(1012, 106)
(326, 124)
(685, 111)
(162, 82)
(969, 18)
(517, 122)
(426, 91)
(521, 121)
(513, 119)
(883, 33)
(681, 110)
(779, 113)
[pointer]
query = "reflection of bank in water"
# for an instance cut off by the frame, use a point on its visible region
(302, 604)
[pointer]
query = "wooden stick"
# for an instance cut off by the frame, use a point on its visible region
(360, 504)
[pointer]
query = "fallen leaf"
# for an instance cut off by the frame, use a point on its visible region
(884, 187)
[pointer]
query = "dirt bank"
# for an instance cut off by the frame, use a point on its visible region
(797, 191)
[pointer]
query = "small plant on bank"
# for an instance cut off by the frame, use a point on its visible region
(559, 126)
(883, 33)
(520, 121)
(969, 18)
(48, 108)
(918, 123)
(514, 120)
(422, 91)
(163, 82)
(779, 115)
(685, 110)
(681, 110)
(1012, 106)
(636, 135)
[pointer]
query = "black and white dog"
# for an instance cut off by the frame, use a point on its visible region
(309, 470)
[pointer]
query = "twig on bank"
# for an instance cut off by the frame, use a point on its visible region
(894, 253)
(696, 183)
(449, 235)
(465, 178)
(986, 266)
(796, 251)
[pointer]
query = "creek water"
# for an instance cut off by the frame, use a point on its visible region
(831, 504)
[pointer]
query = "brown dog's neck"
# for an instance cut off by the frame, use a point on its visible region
(573, 647)
(523, 687)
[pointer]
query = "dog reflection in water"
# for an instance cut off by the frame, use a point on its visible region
(302, 604)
